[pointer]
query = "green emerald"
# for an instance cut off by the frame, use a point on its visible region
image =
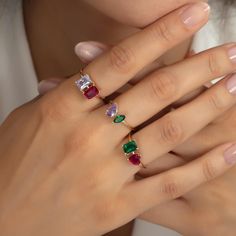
(130, 147)
(119, 119)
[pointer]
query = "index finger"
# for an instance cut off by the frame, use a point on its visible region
(116, 67)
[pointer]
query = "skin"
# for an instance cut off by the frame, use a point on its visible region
(140, 14)
(43, 71)
(67, 26)
(198, 212)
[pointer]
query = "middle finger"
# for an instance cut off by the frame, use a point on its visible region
(173, 129)
(169, 84)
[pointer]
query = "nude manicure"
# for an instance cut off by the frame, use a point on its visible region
(232, 54)
(46, 85)
(230, 155)
(195, 14)
(88, 51)
(231, 84)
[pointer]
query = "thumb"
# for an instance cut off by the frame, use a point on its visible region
(47, 85)
(86, 51)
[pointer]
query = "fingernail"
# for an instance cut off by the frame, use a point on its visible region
(232, 54)
(195, 14)
(230, 155)
(231, 84)
(88, 51)
(45, 86)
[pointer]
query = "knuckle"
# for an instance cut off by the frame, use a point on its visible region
(216, 102)
(209, 170)
(51, 110)
(163, 87)
(171, 189)
(171, 131)
(162, 32)
(214, 65)
(121, 58)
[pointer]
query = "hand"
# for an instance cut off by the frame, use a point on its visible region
(61, 169)
(207, 210)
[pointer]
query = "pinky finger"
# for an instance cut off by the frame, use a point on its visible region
(176, 182)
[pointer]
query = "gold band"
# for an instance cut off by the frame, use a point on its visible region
(112, 112)
(131, 152)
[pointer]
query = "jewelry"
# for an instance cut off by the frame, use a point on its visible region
(130, 150)
(87, 86)
(112, 111)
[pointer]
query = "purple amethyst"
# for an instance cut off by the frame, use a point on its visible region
(112, 110)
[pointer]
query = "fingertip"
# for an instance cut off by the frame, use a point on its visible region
(89, 50)
(230, 154)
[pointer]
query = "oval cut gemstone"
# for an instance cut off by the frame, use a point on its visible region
(119, 119)
(130, 147)
(135, 159)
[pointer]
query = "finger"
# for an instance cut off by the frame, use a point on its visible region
(213, 135)
(45, 86)
(169, 84)
(161, 164)
(90, 50)
(177, 182)
(171, 215)
(122, 62)
(176, 127)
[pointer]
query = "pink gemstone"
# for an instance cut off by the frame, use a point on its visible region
(91, 92)
(135, 159)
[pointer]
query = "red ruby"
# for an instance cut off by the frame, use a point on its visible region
(135, 159)
(91, 92)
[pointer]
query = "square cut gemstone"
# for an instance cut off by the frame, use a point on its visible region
(84, 82)
(91, 92)
(130, 147)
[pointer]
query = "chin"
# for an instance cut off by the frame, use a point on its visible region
(138, 14)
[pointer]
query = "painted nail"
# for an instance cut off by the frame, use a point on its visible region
(232, 54)
(45, 86)
(230, 155)
(88, 51)
(231, 84)
(195, 14)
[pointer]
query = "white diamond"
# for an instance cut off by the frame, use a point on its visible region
(84, 82)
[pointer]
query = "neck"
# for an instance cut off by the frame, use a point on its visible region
(55, 27)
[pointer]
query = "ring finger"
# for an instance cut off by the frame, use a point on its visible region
(174, 128)
(169, 84)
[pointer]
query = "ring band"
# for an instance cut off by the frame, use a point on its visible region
(87, 86)
(130, 149)
(112, 111)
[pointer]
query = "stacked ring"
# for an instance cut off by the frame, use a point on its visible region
(87, 86)
(112, 111)
(130, 150)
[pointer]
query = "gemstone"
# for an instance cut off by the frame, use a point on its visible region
(129, 147)
(91, 92)
(135, 159)
(84, 82)
(119, 119)
(112, 110)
